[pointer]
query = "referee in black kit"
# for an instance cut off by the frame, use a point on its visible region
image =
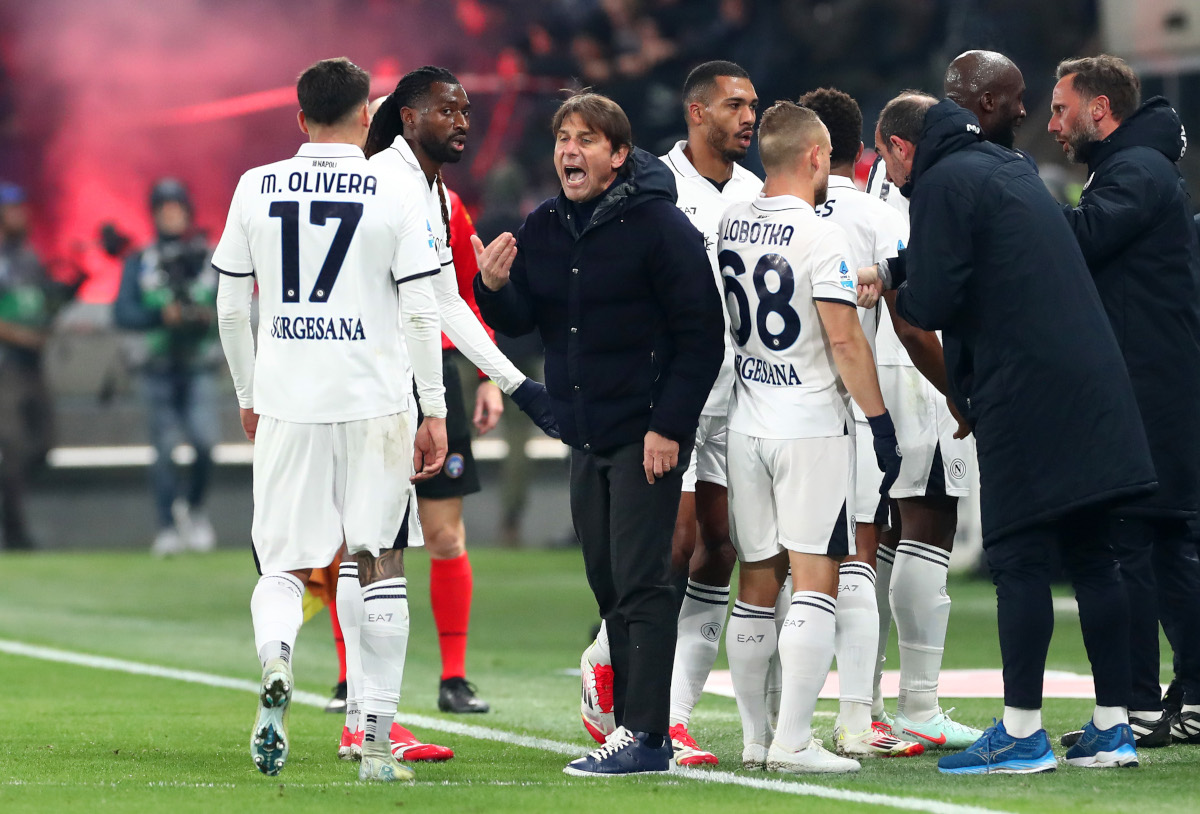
(617, 282)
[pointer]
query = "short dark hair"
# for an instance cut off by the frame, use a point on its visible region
(601, 114)
(412, 89)
(1105, 75)
(703, 78)
(842, 117)
(331, 89)
(904, 116)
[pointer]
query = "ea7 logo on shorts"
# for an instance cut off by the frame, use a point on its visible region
(711, 631)
(745, 638)
(958, 468)
(379, 617)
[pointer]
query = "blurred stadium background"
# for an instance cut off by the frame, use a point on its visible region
(99, 99)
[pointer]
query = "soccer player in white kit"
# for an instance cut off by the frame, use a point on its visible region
(875, 231)
(720, 107)
(343, 257)
(936, 473)
(791, 295)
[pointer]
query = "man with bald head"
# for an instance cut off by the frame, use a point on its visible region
(799, 349)
(991, 86)
(1034, 368)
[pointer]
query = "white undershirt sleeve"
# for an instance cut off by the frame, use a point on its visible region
(462, 326)
(233, 321)
(423, 335)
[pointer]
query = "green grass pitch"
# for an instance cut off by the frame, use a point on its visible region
(86, 739)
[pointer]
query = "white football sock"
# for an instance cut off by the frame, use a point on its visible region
(750, 639)
(806, 647)
(883, 603)
(350, 616)
(384, 644)
(857, 645)
(775, 676)
(1021, 723)
(701, 620)
(1108, 717)
(922, 610)
(277, 608)
(602, 653)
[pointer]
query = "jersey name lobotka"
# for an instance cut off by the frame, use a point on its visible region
(774, 234)
(343, 183)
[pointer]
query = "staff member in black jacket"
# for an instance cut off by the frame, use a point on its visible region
(1036, 372)
(1134, 224)
(617, 281)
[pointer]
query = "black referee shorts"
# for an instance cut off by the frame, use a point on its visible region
(460, 475)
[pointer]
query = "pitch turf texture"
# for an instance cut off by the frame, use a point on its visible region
(87, 739)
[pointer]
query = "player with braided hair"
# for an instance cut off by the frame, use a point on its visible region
(418, 128)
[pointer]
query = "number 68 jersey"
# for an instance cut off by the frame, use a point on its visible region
(328, 237)
(777, 258)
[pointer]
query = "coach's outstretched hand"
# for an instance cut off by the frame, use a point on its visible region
(531, 397)
(887, 455)
(495, 260)
(429, 449)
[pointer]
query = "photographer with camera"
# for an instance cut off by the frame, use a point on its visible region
(168, 294)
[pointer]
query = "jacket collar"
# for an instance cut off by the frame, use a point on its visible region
(948, 128)
(1155, 124)
(647, 178)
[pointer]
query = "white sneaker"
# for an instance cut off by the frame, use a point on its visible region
(383, 768)
(813, 758)
(876, 741)
(754, 756)
(269, 738)
(167, 543)
(596, 706)
(201, 536)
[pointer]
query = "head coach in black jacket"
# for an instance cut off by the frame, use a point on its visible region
(617, 281)
(1035, 370)
(1134, 225)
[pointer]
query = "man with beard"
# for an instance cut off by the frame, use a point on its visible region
(1134, 225)
(1034, 369)
(719, 106)
(419, 127)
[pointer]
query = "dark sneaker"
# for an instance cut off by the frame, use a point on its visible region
(1104, 748)
(1185, 727)
(337, 704)
(997, 752)
(1173, 698)
(458, 695)
(624, 753)
(1147, 734)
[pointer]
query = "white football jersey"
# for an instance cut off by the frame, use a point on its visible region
(328, 238)
(777, 258)
(875, 230)
(888, 350)
(704, 205)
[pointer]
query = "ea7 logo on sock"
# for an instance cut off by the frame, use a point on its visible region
(794, 622)
(379, 617)
(746, 638)
(711, 631)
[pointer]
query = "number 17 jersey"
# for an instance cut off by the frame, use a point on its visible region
(328, 237)
(777, 258)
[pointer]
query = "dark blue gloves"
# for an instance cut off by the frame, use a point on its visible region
(887, 455)
(531, 397)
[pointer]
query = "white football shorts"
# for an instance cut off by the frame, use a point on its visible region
(924, 427)
(315, 484)
(790, 495)
(708, 455)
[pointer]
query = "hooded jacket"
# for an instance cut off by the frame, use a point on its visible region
(626, 309)
(1031, 358)
(1134, 225)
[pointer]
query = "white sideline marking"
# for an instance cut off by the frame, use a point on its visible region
(484, 733)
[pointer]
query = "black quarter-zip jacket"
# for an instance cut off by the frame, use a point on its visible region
(626, 308)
